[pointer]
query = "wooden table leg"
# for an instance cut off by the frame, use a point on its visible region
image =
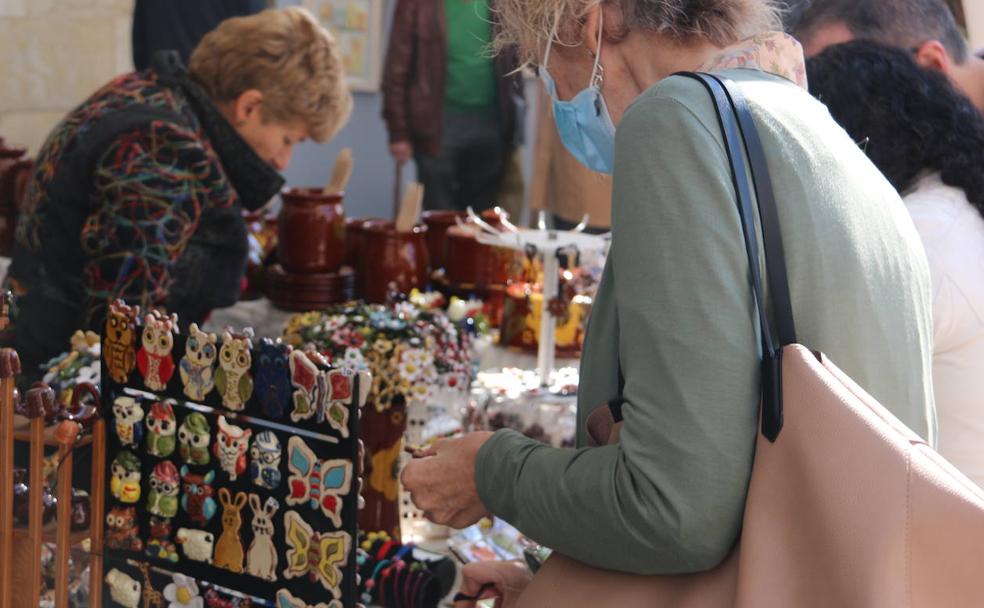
(6, 485)
(35, 512)
(63, 536)
(98, 497)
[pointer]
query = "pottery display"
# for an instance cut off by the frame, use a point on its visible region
(521, 316)
(392, 260)
(311, 231)
(438, 223)
(302, 292)
(470, 263)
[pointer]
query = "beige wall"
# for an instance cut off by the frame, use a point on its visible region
(54, 54)
(974, 11)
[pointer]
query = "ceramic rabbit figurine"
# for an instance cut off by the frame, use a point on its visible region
(229, 548)
(261, 561)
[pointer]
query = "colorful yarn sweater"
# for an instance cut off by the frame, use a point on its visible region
(138, 194)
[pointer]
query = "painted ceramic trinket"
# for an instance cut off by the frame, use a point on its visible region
(320, 483)
(122, 529)
(128, 421)
(118, 350)
(324, 395)
(304, 377)
(182, 592)
(231, 443)
(233, 378)
(197, 499)
(264, 465)
(193, 437)
(161, 429)
(261, 559)
(152, 598)
(124, 484)
(154, 357)
(286, 600)
(162, 499)
(123, 588)
(160, 544)
(273, 377)
(196, 544)
(196, 367)
(317, 556)
(229, 549)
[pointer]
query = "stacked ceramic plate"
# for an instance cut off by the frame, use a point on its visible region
(302, 292)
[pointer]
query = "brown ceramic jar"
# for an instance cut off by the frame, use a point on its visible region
(438, 223)
(311, 231)
(472, 264)
(394, 257)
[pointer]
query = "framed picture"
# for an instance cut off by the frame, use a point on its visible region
(358, 25)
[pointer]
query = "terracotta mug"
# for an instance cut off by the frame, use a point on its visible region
(392, 259)
(311, 231)
(438, 223)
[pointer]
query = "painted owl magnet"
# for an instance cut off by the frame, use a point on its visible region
(320, 483)
(118, 350)
(162, 499)
(154, 357)
(196, 544)
(161, 429)
(128, 421)
(123, 588)
(233, 378)
(123, 530)
(193, 437)
(273, 377)
(160, 544)
(124, 483)
(264, 465)
(197, 499)
(231, 443)
(197, 365)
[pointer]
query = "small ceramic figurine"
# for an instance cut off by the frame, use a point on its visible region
(128, 421)
(124, 484)
(285, 599)
(196, 367)
(152, 598)
(118, 351)
(154, 357)
(197, 499)
(317, 556)
(161, 429)
(261, 560)
(162, 499)
(196, 544)
(160, 544)
(264, 465)
(123, 588)
(304, 377)
(273, 377)
(229, 548)
(231, 443)
(325, 394)
(320, 483)
(193, 437)
(233, 378)
(122, 530)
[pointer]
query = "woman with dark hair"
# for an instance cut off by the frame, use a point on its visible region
(928, 140)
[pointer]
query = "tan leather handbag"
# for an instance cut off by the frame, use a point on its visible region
(847, 507)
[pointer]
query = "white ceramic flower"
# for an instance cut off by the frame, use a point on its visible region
(335, 322)
(183, 593)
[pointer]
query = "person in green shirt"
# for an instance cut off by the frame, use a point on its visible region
(674, 312)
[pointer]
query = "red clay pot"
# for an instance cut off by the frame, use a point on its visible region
(311, 231)
(393, 257)
(438, 223)
(470, 263)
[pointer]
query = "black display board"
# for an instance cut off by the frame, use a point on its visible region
(280, 457)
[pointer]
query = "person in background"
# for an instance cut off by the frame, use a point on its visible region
(448, 103)
(928, 140)
(926, 28)
(178, 25)
(138, 193)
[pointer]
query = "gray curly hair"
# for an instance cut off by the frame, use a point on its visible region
(527, 24)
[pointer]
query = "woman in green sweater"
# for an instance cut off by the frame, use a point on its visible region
(674, 310)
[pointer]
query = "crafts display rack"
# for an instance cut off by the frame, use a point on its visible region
(232, 464)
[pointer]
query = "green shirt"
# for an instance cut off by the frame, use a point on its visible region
(675, 307)
(470, 77)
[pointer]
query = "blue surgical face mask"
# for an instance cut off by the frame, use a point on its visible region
(583, 123)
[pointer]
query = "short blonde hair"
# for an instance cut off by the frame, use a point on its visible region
(526, 24)
(286, 55)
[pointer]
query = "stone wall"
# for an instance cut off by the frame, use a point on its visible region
(55, 53)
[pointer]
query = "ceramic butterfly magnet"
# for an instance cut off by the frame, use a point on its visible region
(160, 545)
(154, 357)
(286, 600)
(123, 530)
(320, 483)
(162, 499)
(197, 499)
(321, 393)
(193, 437)
(161, 429)
(261, 559)
(124, 483)
(233, 377)
(196, 544)
(318, 556)
(118, 349)
(264, 464)
(123, 588)
(230, 447)
(196, 367)
(229, 549)
(128, 421)
(273, 377)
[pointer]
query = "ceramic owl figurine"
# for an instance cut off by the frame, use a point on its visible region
(122, 529)
(124, 483)
(154, 357)
(161, 429)
(264, 464)
(197, 498)
(119, 349)
(233, 378)
(230, 447)
(128, 421)
(162, 499)
(193, 437)
(196, 367)
(273, 377)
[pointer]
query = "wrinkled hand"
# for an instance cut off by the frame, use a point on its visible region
(401, 151)
(507, 580)
(441, 481)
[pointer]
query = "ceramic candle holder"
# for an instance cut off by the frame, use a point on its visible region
(311, 231)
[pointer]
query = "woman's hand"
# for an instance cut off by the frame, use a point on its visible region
(441, 481)
(504, 581)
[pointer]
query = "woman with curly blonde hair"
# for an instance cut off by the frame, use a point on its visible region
(673, 336)
(138, 193)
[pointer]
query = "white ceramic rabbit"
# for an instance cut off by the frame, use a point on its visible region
(261, 560)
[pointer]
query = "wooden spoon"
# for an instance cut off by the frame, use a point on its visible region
(409, 213)
(340, 173)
